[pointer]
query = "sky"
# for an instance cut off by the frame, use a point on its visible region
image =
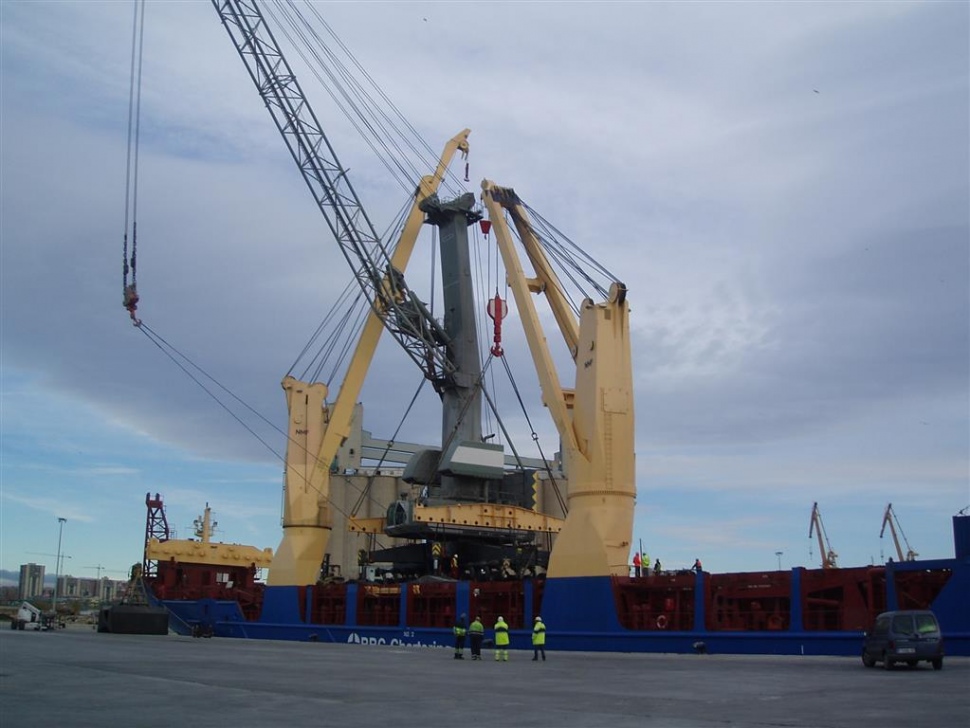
(784, 188)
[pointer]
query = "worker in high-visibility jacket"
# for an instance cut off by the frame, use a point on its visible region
(501, 640)
(539, 640)
(460, 629)
(476, 633)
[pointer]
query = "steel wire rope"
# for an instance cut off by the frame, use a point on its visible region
(348, 304)
(461, 415)
(290, 112)
(134, 130)
(390, 444)
(300, 27)
(901, 533)
(559, 259)
(345, 299)
(505, 292)
(360, 312)
(535, 437)
(579, 250)
(352, 87)
(367, 256)
(343, 339)
(367, 251)
(373, 122)
(153, 336)
(555, 260)
(167, 348)
(568, 267)
(432, 157)
(488, 287)
(479, 384)
(357, 306)
(563, 264)
(483, 281)
(561, 242)
(501, 424)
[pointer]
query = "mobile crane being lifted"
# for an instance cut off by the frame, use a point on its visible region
(824, 547)
(890, 519)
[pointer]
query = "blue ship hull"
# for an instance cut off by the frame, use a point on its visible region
(582, 615)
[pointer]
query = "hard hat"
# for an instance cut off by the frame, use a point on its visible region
(500, 618)
(538, 619)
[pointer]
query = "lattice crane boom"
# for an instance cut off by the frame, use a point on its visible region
(317, 428)
(403, 314)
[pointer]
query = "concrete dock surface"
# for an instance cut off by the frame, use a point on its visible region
(77, 677)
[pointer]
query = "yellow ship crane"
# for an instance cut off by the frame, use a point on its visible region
(890, 519)
(316, 429)
(824, 547)
(594, 417)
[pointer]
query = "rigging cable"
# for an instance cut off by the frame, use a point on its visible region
(387, 449)
(158, 341)
(130, 292)
(175, 355)
(535, 437)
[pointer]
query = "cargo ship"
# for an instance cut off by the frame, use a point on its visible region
(373, 554)
(800, 611)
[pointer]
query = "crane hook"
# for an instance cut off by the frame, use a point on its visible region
(497, 310)
(131, 303)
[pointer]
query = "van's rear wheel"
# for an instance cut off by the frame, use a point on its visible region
(867, 660)
(937, 663)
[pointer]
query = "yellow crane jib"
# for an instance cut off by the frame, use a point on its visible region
(595, 418)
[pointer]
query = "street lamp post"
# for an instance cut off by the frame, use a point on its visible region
(778, 554)
(57, 564)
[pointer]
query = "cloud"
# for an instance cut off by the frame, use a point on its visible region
(46, 504)
(797, 261)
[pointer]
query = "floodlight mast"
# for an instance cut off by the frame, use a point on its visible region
(57, 564)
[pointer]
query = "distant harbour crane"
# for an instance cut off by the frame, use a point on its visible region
(53, 556)
(106, 570)
(100, 588)
(825, 548)
(890, 519)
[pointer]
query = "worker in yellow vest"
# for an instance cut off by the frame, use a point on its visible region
(460, 629)
(501, 640)
(539, 640)
(476, 633)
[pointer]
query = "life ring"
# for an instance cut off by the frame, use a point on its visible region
(662, 621)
